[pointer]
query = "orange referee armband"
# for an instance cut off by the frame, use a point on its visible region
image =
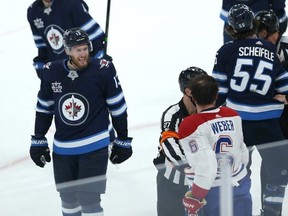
(168, 134)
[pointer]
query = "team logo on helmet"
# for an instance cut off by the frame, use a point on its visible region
(54, 35)
(73, 108)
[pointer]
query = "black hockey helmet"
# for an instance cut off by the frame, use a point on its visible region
(240, 18)
(76, 36)
(268, 21)
(186, 75)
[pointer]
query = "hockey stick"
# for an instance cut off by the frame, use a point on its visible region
(107, 24)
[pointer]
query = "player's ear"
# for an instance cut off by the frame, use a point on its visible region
(216, 97)
(262, 34)
(67, 51)
(187, 92)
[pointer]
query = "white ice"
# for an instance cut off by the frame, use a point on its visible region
(151, 42)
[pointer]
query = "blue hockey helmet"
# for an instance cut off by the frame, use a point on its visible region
(76, 36)
(268, 21)
(188, 74)
(240, 18)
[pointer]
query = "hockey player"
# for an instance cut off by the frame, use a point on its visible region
(268, 28)
(256, 5)
(49, 19)
(249, 73)
(170, 161)
(80, 92)
(205, 137)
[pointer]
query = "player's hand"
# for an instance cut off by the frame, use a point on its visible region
(121, 150)
(39, 150)
(192, 205)
(281, 98)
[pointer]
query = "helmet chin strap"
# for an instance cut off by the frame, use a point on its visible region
(190, 97)
(192, 101)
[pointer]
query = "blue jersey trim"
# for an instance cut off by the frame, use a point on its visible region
(260, 116)
(83, 149)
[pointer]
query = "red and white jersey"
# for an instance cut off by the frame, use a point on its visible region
(204, 137)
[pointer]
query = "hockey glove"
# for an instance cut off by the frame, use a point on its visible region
(159, 161)
(121, 150)
(192, 205)
(39, 151)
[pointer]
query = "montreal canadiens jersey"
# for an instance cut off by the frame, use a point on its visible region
(81, 102)
(250, 73)
(208, 135)
(277, 6)
(49, 24)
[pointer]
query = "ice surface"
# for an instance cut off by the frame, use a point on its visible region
(151, 42)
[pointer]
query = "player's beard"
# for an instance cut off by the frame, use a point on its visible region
(80, 62)
(47, 3)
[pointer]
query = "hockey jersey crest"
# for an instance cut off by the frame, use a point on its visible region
(75, 106)
(49, 24)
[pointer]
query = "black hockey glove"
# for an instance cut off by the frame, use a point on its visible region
(159, 160)
(39, 151)
(121, 150)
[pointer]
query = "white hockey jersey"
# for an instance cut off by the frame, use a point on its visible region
(204, 137)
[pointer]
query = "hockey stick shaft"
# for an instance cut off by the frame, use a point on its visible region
(107, 24)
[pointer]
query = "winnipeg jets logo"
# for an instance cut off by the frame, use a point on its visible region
(56, 87)
(54, 35)
(47, 65)
(38, 23)
(54, 38)
(73, 108)
(104, 63)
